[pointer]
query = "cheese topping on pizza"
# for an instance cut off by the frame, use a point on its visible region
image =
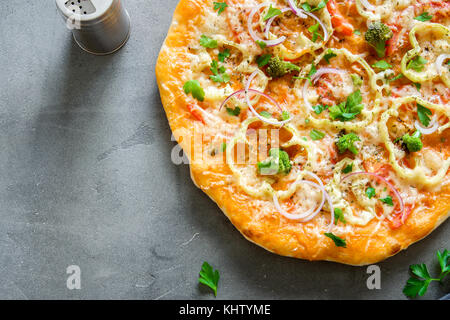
(325, 109)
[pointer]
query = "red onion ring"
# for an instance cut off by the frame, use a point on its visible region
(315, 78)
(434, 125)
(439, 61)
(368, 5)
(296, 10)
(260, 117)
(269, 43)
(305, 216)
(397, 194)
(269, 22)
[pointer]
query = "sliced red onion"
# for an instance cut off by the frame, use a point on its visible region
(440, 60)
(255, 37)
(305, 216)
(397, 194)
(434, 125)
(269, 22)
(260, 117)
(315, 78)
(297, 11)
(368, 5)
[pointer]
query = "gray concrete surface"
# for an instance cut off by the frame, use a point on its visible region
(86, 179)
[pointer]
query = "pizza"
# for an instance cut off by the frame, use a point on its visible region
(320, 128)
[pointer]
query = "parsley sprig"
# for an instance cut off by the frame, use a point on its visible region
(220, 7)
(421, 279)
(209, 277)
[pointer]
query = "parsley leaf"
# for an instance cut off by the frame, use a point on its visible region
(207, 42)
(322, 4)
(209, 277)
(305, 6)
(356, 79)
(348, 168)
(382, 65)
(417, 85)
(330, 54)
(339, 215)
(266, 114)
(220, 6)
(370, 192)
(337, 241)
(357, 32)
(314, 29)
(319, 108)
(417, 63)
(423, 114)
(263, 60)
(234, 112)
(193, 87)
(388, 201)
(261, 44)
(316, 135)
(219, 74)
(349, 109)
(424, 17)
(395, 78)
(272, 12)
(419, 282)
(223, 55)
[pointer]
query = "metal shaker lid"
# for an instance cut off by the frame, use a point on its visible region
(98, 26)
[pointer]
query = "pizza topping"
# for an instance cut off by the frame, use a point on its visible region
(368, 5)
(255, 37)
(193, 87)
(339, 242)
(377, 35)
(277, 68)
(277, 163)
(391, 187)
(413, 143)
(439, 63)
(347, 110)
(315, 77)
(346, 142)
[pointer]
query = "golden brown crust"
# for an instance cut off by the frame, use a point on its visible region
(365, 244)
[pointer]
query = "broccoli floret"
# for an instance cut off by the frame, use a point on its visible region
(278, 68)
(377, 35)
(278, 162)
(413, 143)
(346, 142)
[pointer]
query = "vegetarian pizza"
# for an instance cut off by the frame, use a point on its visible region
(319, 127)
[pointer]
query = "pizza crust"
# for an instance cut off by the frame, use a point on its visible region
(367, 244)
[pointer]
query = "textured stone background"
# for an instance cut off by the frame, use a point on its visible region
(86, 179)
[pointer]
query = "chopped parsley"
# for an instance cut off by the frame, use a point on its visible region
(382, 65)
(234, 112)
(308, 8)
(319, 108)
(272, 12)
(194, 87)
(424, 114)
(220, 6)
(219, 74)
(261, 44)
(208, 42)
(339, 215)
(314, 29)
(370, 192)
(330, 54)
(223, 55)
(348, 168)
(388, 201)
(209, 277)
(285, 115)
(337, 241)
(316, 135)
(349, 109)
(263, 60)
(417, 63)
(266, 114)
(424, 17)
